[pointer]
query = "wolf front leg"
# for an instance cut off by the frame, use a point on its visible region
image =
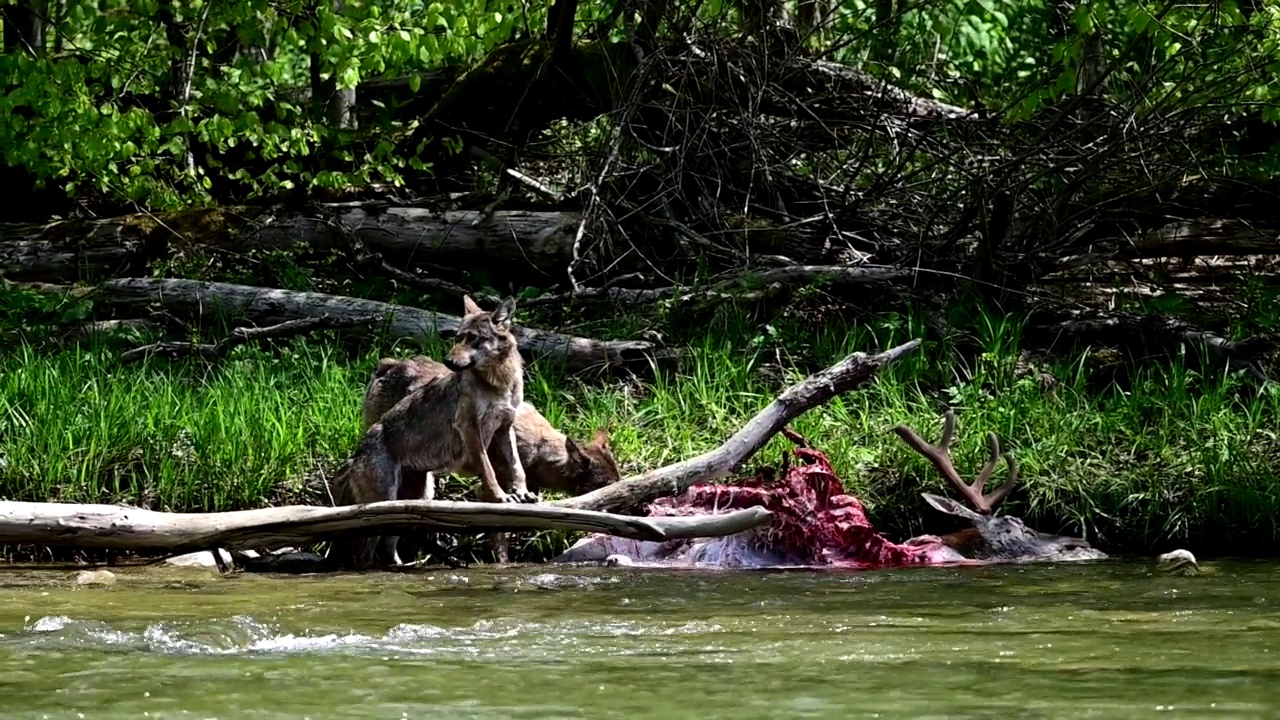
(505, 445)
(490, 490)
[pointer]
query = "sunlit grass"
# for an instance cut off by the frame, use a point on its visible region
(1175, 457)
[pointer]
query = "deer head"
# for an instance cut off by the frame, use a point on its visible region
(993, 537)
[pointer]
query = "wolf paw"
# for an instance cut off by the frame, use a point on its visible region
(528, 496)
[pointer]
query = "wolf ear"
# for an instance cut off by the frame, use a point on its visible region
(574, 452)
(469, 306)
(601, 438)
(502, 316)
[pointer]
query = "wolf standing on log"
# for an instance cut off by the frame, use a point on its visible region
(551, 460)
(448, 425)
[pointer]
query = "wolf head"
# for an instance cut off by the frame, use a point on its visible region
(593, 463)
(484, 341)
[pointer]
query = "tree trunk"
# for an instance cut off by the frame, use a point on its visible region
(183, 36)
(265, 306)
(336, 105)
(532, 245)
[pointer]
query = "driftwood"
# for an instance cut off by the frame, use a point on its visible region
(68, 250)
(192, 298)
(243, 335)
(125, 528)
(726, 459)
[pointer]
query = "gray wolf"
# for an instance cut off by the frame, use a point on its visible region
(551, 460)
(459, 422)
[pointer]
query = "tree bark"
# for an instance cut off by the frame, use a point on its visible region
(126, 528)
(336, 105)
(265, 306)
(516, 242)
(674, 479)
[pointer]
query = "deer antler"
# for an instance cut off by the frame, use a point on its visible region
(940, 456)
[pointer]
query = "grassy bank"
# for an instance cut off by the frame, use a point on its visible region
(1169, 458)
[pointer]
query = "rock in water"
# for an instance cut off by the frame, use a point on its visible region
(285, 560)
(1178, 562)
(95, 577)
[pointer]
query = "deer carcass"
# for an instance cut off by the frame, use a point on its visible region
(816, 524)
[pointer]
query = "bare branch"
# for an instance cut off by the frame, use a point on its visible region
(845, 375)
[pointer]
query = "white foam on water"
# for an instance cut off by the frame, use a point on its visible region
(244, 635)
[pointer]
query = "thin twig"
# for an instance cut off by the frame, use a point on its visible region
(242, 335)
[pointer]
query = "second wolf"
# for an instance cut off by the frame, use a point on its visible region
(551, 461)
(461, 422)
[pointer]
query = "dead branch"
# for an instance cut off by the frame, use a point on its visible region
(1162, 334)
(726, 459)
(242, 335)
(126, 528)
(772, 280)
(111, 329)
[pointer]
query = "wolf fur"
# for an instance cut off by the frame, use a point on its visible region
(460, 422)
(551, 460)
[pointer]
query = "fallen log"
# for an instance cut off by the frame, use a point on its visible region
(833, 274)
(1146, 336)
(126, 528)
(264, 306)
(71, 250)
(814, 390)
(1184, 239)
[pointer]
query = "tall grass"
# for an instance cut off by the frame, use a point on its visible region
(1174, 457)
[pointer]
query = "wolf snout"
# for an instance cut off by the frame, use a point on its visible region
(454, 365)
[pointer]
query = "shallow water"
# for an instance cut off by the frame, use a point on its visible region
(1099, 640)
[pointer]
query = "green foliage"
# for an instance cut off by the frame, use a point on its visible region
(106, 116)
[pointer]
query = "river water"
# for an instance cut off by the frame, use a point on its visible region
(1104, 640)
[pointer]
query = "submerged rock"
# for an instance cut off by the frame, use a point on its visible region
(1179, 562)
(284, 560)
(95, 577)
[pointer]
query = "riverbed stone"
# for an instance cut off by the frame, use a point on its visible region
(95, 577)
(1178, 562)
